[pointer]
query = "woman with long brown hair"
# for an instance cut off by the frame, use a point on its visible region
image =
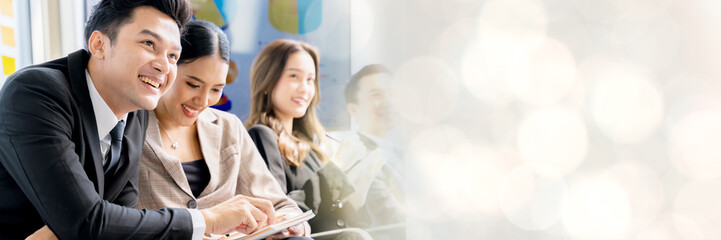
(283, 124)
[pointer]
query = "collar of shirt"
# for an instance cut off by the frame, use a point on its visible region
(395, 161)
(381, 142)
(104, 116)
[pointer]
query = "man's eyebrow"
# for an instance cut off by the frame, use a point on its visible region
(157, 37)
(152, 34)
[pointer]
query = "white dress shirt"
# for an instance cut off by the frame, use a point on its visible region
(105, 120)
(104, 117)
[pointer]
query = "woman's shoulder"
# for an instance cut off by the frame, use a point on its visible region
(262, 130)
(262, 135)
(221, 117)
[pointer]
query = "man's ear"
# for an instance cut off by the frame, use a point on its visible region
(352, 109)
(98, 44)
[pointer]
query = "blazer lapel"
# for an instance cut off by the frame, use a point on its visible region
(171, 163)
(77, 63)
(209, 135)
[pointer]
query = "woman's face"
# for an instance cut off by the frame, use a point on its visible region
(295, 88)
(199, 84)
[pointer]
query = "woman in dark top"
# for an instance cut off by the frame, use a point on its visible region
(284, 126)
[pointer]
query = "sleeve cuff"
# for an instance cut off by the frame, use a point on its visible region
(198, 224)
(307, 229)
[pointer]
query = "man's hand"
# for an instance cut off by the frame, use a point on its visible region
(293, 231)
(43, 233)
(350, 151)
(240, 213)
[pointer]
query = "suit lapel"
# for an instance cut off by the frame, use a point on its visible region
(131, 152)
(77, 63)
(171, 164)
(132, 149)
(209, 135)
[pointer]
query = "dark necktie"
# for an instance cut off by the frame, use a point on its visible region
(116, 143)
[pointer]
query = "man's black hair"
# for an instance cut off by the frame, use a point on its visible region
(109, 15)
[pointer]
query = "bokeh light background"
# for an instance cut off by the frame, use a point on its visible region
(553, 119)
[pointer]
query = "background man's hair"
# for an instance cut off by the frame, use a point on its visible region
(351, 89)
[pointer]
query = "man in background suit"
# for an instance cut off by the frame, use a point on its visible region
(368, 102)
(72, 131)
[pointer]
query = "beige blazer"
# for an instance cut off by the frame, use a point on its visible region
(234, 163)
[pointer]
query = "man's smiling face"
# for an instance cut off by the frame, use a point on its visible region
(140, 64)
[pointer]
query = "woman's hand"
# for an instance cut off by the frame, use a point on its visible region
(293, 231)
(43, 233)
(240, 213)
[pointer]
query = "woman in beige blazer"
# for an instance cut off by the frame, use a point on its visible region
(197, 157)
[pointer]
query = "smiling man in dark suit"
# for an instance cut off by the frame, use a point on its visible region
(71, 134)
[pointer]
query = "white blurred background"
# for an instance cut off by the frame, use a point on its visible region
(530, 119)
(554, 119)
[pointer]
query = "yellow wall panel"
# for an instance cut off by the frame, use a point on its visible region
(8, 65)
(8, 36)
(6, 8)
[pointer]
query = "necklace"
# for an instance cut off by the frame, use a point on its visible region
(174, 144)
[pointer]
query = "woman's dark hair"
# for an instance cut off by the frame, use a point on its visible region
(203, 38)
(109, 15)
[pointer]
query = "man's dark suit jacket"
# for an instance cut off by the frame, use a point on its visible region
(52, 171)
